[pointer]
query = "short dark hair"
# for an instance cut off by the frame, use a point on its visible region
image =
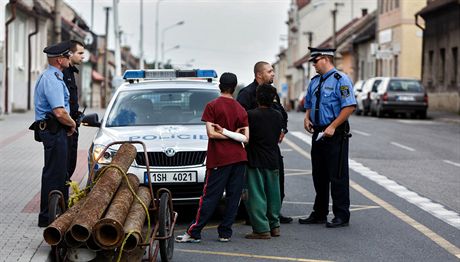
(258, 66)
(265, 94)
(228, 82)
(74, 43)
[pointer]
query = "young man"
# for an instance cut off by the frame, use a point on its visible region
(264, 74)
(53, 125)
(226, 161)
(77, 49)
(264, 201)
(329, 103)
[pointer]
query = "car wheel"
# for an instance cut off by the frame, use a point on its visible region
(422, 114)
(358, 112)
(380, 112)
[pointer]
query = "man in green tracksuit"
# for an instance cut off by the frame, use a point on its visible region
(264, 202)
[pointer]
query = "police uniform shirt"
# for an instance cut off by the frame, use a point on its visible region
(50, 93)
(336, 93)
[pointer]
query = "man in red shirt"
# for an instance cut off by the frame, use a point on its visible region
(227, 129)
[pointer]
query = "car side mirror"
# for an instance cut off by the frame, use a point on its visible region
(91, 120)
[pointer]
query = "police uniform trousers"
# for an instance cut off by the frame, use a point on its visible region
(325, 158)
(229, 178)
(72, 144)
(54, 173)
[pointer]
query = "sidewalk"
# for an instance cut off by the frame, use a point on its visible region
(21, 162)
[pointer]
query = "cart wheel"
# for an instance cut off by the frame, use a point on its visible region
(164, 220)
(56, 208)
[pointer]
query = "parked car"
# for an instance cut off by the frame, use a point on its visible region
(301, 102)
(363, 98)
(358, 88)
(400, 95)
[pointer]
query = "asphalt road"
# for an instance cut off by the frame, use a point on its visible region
(404, 179)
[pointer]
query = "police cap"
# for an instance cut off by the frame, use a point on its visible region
(59, 49)
(315, 52)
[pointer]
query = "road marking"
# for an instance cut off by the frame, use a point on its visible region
(437, 210)
(286, 150)
(352, 207)
(247, 255)
(360, 132)
(306, 172)
(402, 146)
(297, 148)
(426, 122)
(302, 136)
(452, 163)
(449, 247)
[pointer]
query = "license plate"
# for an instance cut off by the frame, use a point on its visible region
(406, 98)
(172, 177)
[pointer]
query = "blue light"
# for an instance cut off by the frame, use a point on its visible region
(206, 73)
(134, 74)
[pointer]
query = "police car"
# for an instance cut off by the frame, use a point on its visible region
(163, 109)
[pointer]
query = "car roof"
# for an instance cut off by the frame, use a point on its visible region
(168, 84)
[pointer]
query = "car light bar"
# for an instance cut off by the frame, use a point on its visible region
(168, 74)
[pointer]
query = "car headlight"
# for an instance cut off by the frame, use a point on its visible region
(106, 158)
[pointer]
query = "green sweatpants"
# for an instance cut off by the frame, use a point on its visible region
(264, 202)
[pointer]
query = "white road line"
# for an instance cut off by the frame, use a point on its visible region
(360, 132)
(302, 136)
(450, 217)
(286, 150)
(402, 146)
(452, 163)
(296, 148)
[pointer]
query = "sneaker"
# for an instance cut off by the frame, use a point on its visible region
(285, 220)
(186, 238)
(224, 239)
(255, 235)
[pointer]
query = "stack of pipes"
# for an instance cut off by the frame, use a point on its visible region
(108, 213)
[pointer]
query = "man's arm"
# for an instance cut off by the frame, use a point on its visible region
(64, 118)
(343, 116)
(307, 124)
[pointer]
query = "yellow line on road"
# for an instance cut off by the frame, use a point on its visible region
(442, 242)
(249, 255)
(297, 148)
(410, 221)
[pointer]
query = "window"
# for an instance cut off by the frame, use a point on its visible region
(395, 70)
(381, 6)
(442, 65)
(430, 65)
(454, 65)
(396, 3)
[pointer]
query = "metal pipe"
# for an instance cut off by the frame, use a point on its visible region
(57, 20)
(108, 232)
(136, 219)
(101, 194)
(29, 66)
(9, 21)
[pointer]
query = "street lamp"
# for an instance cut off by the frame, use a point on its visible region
(156, 32)
(169, 49)
(163, 37)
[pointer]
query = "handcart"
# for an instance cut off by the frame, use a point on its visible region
(160, 240)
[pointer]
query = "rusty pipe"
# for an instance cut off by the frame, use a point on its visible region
(54, 233)
(101, 194)
(108, 232)
(92, 245)
(136, 219)
(71, 242)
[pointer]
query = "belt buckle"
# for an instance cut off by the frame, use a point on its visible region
(42, 125)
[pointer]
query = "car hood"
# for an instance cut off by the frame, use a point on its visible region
(157, 138)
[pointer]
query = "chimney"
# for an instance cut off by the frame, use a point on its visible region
(364, 11)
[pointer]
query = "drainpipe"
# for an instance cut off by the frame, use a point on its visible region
(422, 70)
(9, 21)
(29, 68)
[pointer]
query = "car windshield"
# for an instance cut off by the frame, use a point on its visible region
(159, 107)
(404, 86)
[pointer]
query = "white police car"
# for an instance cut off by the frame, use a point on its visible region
(163, 109)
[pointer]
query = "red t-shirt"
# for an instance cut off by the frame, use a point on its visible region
(229, 114)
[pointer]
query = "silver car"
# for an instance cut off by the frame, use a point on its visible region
(164, 111)
(400, 95)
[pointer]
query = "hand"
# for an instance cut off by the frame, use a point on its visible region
(217, 128)
(281, 137)
(330, 130)
(71, 130)
(308, 125)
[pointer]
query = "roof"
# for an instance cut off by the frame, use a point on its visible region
(436, 5)
(344, 36)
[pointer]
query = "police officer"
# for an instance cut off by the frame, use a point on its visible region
(329, 102)
(77, 48)
(53, 124)
(264, 74)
